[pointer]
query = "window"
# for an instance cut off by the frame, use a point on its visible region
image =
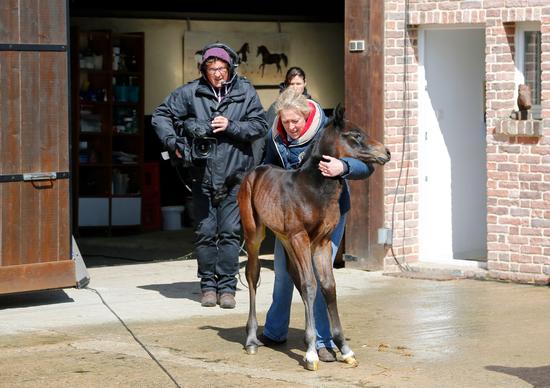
(528, 62)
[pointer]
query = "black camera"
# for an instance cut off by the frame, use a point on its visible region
(204, 147)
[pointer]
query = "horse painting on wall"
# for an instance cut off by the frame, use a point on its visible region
(271, 59)
(263, 57)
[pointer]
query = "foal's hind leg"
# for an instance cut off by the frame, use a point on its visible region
(323, 265)
(253, 243)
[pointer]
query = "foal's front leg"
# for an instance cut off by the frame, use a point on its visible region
(301, 270)
(323, 264)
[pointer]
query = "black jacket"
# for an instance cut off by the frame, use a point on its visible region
(188, 112)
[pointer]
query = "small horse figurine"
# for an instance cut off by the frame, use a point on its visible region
(301, 208)
(269, 59)
(243, 51)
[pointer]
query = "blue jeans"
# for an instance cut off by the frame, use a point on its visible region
(278, 316)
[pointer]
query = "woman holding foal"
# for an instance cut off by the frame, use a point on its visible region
(295, 78)
(299, 122)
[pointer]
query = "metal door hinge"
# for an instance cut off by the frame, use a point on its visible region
(40, 176)
(34, 176)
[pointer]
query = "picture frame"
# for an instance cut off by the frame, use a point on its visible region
(263, 57)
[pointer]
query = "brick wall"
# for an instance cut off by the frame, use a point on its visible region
(518, 152)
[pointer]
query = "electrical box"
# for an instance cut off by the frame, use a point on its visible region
(356, 45)
(385, 236)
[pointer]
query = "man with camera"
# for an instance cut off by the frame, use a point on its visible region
(209, 125)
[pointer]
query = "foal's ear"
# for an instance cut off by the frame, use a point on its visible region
(338, 118)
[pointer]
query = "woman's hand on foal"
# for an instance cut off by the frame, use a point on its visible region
(331, 167)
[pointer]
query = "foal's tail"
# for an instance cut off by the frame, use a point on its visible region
(246, 209)
(252, 227)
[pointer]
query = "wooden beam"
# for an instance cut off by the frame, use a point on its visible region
(364, 101)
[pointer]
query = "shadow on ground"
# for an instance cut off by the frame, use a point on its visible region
(238, 335)
(101, 251)
(178, 290)
(538, 377)
(34, 298)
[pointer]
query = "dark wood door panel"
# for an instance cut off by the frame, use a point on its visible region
(39, 276)
(34, 112)
(33, 21)
(34, 222)
(35, 227)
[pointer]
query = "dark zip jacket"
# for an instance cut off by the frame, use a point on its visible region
(188, 112)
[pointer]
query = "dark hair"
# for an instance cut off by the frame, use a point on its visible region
(293, 72)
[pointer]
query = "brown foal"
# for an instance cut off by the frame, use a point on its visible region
(301, 208)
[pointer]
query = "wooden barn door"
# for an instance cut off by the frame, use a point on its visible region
(35, 236)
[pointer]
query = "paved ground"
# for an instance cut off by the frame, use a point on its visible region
(405, 332)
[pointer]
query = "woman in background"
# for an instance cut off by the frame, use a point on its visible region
(295, 78)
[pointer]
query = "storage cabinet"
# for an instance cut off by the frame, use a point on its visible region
(107, 116)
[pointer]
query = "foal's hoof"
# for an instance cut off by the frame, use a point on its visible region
(251, 349)
(351, 361)
(312, 365)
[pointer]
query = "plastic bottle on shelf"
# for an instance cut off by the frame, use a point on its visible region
(116, 58)
(122, 62)
(134, 121)
(132, 65)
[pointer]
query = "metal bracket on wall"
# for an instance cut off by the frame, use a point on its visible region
(32, 47)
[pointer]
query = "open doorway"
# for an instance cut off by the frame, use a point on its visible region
(452, 146)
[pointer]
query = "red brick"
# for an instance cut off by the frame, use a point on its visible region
(530, 268)
(518, 167)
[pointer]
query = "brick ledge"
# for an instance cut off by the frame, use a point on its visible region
(511, 127)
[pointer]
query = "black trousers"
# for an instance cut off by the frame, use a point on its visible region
(217, 240)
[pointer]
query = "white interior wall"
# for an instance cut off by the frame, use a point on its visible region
(316, 47)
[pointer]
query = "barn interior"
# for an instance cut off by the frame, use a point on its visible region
(127, 57)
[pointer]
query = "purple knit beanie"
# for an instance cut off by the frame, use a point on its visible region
(217, 52)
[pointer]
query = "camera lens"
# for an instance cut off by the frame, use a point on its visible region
(204, 148)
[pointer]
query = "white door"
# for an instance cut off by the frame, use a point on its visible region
(452, 146)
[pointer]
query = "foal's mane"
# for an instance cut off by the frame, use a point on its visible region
(313, 154)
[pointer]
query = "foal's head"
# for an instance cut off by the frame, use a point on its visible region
(348, 141)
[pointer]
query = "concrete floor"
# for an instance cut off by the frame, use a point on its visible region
(405, 332)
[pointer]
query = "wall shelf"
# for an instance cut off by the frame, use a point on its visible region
(107, 113)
